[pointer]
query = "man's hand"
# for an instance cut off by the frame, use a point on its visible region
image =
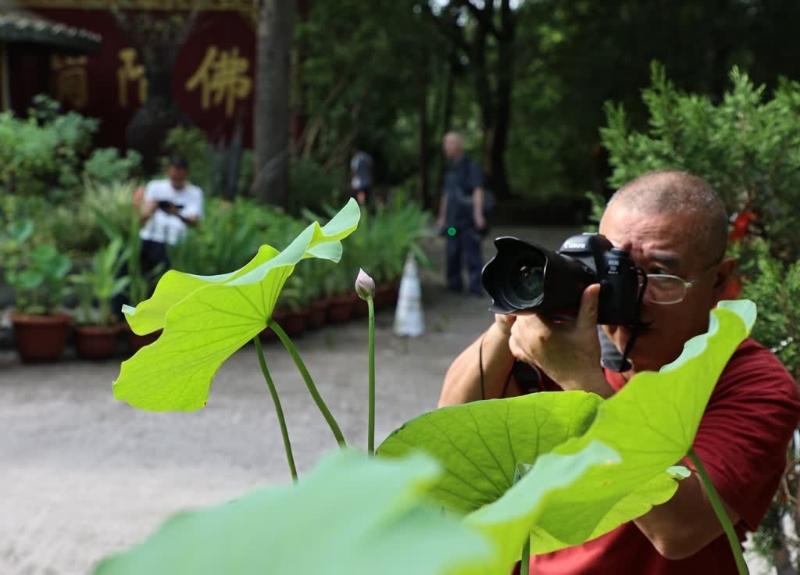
(480, 222)
(569, 353)
(148, 208)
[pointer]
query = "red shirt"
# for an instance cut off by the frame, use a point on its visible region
(742, 441)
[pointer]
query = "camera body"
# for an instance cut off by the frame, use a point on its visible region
(525, 278)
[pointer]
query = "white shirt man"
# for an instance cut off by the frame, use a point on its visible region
(167, 224)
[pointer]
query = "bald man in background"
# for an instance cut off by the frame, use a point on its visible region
(674, 226)
(461, 216)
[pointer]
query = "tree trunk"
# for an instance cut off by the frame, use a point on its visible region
(504, 76)
(448, 100)
(424, 163)
(271, 130)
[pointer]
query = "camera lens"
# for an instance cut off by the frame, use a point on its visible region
(528, 283)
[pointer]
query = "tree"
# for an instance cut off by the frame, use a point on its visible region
(272, 115)
(484, 34)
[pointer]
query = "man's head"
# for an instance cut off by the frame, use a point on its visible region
(453, 145)
(672, 223)
(177, 171)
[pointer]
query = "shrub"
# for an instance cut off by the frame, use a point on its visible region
(106, 166)
(42, 154)
(746, 146)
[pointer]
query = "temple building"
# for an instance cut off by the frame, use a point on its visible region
(133, 62)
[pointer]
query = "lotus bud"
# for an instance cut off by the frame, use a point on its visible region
(365, 285)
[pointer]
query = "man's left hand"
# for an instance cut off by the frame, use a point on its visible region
(568, 352)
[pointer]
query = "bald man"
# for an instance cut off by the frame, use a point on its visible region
(674, 226)
(461, 216)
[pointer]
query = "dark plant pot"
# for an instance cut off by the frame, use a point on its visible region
(40, 338)
(96, 341)
(292, 322)
(137, 342)
(316, 314)
(360, 307)
(340, 309)
(386, 294)
(267, 336)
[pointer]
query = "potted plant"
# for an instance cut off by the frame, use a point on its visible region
(96, 333)
(291, 314)
(340, 303)
(38, 278)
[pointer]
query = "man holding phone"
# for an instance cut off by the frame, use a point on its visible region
(170, 206)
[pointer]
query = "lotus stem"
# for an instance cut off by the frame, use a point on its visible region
(722, 515)
(371, 428)
(287, 444)
(525, 562)
(312, 388)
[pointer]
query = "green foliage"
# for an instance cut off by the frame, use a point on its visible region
(243, 223)
(107, 167)
(207, 318)
(273, 531)
(509, 432)
(650, 423)
(42, 155)
(575, 489)
(100, 283)
(192, 144)
(38, 277)
(312, 187)
(775, 287)
(746, 147)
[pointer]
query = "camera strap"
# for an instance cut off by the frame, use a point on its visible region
(620, 363)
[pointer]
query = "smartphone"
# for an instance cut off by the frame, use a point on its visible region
(167, 206)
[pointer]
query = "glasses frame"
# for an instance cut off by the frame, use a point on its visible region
(687, 284)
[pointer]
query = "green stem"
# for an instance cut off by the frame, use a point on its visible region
(287, 444)
(525, 562)
(312, 389)
(722, 515)
(371, 429)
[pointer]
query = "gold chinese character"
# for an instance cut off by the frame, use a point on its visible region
(71, 84)
(130, 72)
(222, 76)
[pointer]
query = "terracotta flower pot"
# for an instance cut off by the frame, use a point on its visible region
(96, 341)
(40, 337)
(316, 314)
(267, 336)
(292, 322)
(386, 294)
(360, 307)
(340, 309)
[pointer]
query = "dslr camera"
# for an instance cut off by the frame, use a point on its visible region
(524, 278)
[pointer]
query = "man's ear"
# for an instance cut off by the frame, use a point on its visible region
(726, 282)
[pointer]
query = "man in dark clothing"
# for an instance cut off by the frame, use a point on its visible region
(361, 176)
(461, 216)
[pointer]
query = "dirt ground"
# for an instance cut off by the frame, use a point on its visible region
(82, 475)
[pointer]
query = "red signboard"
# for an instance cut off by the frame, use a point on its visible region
(212, 80)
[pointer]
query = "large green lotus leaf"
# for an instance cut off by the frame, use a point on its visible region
(651, 423)
(479, 444)
(507, 521)
(150, 314)
(206, 319)
(351, 515)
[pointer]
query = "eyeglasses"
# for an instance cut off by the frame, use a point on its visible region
(667, 289)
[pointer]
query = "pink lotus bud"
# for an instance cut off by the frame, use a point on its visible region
(365, 285)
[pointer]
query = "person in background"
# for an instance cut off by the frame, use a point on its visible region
(461, 216)
(169, 207)
(361, 177)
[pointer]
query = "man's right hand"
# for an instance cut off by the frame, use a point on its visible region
(504, 323)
